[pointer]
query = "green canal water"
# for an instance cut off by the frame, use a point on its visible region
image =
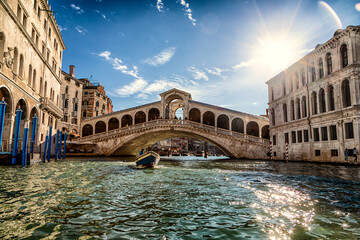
(233, 199)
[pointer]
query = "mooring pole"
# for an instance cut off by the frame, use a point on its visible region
(2, 119)
(25, 140)
(49, 143)
(16, 136)
(45, 147)
(57, 144)
(65, 136)
(61, 136)
(33, 134)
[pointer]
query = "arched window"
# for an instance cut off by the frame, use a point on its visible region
(321, 68)
(292, 110)
(140, 117)
(195, 115)
(66, 103)
(153, 114)
(34, 80)
(302, 75)
(21, 66)
(298, 109)
(328, 63)
(252, 128)
(313, 73)
(322, 104)
(209, 118)
(100, 127)
(331, 98)
(2, 46)
(16, 61)
(41, 87)
(223, 121)
(304, 108)
(30, 75)
(265, 132)
(87, 130)
(314, 103)
(237, 125)
(345, 87)
(126, 120)
(285, 115)
(45, 89)
(67, 90)
(272, 114)
(344, 55)
(113, 123)
(76, 94)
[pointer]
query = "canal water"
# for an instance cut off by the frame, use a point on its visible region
(212, 199)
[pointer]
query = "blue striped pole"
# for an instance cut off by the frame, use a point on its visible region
(2, 119)
(16, 136)
(33, 134)
(57, 144)
(49, 143)
(65, 136)
(61, 136)
(45, 147)
(25, 140)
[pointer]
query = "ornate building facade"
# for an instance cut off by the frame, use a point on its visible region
(31, 48)
(315, 103)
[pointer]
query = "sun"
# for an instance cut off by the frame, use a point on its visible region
(276, 53)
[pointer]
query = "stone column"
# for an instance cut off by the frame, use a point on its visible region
(353, 90)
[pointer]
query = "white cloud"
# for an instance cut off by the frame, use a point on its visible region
(119, 65)
(160, 5)
(198, 74)
(134, 87)
(103, 15)
(162, 57)
(62, 28)
(244, 64)
(81, 29)
(215, 71)
(188, 12)
(77, 9)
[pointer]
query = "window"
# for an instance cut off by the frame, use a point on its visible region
(76, 94)
(16, 60)
(322, 103)
(316, 135)
(344, 55)
(35, 4)
(333, 133)
(313, 73)
(45, 23)
(334, 153)
(30, 75)
(306, 136)
(19, 10)
(284, 87)
(293, 136)
(298, 109)
(285, 117)
(286, 137)
(21, 66)
(331, 98)
(292, 110)
(345, 87)
(24, 20)
(302, 75)
(324, 134)
(2, 46)
(317, 153)
(328, 63)
(299, 135)
(86, 93)
(314, 103)
(274, 140)
(321, 68)
(48, 55)
(43, 118)
(65, 118)
(84, 114)
(273, 117)
(304, 108)
(349, 130)
(296, 80)
(67, 90)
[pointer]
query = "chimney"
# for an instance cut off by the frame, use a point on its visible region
(72, 70)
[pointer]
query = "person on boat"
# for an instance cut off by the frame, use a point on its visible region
(355, 154)
(141, 152)
(346, 154)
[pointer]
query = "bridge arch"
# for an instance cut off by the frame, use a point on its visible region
(265, 132)
(87, 130)
(223, 121)
(209, 118)
(113, 123)
(153, 114)
(237, 125)
(140, 117)
(195, 115)
(252, 128)
(100, 127)
(126, 120)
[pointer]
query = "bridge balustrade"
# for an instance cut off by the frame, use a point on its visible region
(173, 122)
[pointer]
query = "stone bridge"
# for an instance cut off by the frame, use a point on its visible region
(125, 132)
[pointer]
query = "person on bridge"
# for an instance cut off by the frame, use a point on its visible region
(141, 152)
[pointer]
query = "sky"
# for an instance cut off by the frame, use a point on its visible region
(220, 51)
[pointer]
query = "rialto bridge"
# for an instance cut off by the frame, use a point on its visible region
(125, 132)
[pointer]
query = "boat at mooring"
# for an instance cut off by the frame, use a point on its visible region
(148, 160)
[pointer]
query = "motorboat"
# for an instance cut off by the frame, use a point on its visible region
(148, 160)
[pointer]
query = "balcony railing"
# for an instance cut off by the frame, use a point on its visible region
(48, 105)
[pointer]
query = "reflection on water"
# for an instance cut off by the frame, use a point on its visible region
(77, 199)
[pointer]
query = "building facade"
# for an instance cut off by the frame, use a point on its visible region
(71, 98)
(315, 103)
(31, 48)
(94, 100)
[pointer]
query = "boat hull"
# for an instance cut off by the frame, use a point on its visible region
(148, 160)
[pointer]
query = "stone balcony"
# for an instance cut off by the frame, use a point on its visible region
(49, 106)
